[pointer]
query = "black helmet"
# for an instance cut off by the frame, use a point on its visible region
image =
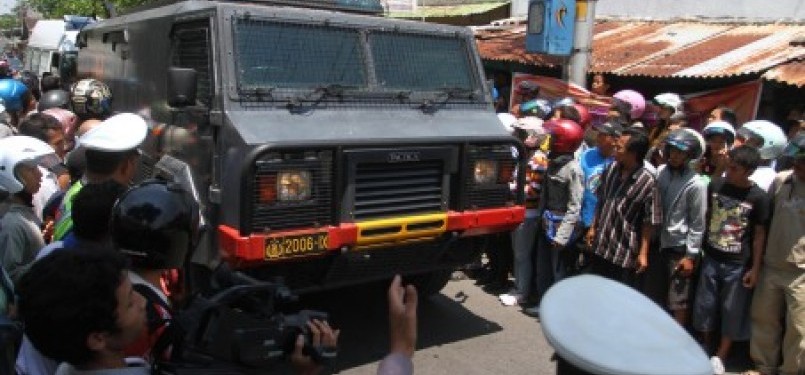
(611, 127)
(56, 98)
(686, 140)
(155, 224)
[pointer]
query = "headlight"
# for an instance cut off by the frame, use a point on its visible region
(486, 172)
(293, 185)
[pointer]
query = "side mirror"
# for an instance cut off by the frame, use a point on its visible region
(182, 84)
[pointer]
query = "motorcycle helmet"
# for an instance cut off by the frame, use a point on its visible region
(566, 101)
(12, 92)
(19, 149)
(54, 99)
(686, 140)
(537, 107)
(670, 100)
(584, 115)
(767, 137)
(91, 98)
(566, 135)
(609, 128)
(796, 148)
(635, 100)
(720, 128)
(155, 224)
(527, 88)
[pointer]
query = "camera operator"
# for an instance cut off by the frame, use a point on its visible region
(82, 307)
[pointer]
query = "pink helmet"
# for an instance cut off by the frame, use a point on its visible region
(68, 121)
(634, 99)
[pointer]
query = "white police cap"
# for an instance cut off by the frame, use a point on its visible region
(604, 327)
(121, 132)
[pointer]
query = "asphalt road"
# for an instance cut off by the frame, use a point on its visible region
(463, 330)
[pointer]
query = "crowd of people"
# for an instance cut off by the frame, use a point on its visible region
(710, 223)
(66, 168)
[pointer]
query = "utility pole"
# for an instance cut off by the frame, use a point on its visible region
(582, 42)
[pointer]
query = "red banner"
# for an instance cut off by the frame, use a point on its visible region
(554, 88)
(743, 98)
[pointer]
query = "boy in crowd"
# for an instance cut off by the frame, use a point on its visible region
(684, 204)
(530, 131)
(628, 212)
(736, 217)
(21, 232)
(560, 206)
(779, 292)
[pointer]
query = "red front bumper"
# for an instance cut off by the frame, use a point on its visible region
(251, 249)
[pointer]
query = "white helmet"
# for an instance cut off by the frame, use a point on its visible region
(20, 148)
(720, 128)
(508, 120)
(766, 136)
(670, 100)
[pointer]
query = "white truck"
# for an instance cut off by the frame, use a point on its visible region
(51, 46)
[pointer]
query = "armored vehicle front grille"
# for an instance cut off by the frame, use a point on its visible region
(397, 189)
(496, 194)
(314, 212)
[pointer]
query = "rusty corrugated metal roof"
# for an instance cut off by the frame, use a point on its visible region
(667, 49)
(792, 73)
(509, 45)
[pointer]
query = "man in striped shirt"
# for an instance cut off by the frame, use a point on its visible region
(629, 208)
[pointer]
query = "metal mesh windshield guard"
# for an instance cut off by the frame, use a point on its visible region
(280, 60)
(273, 54)
(424, 62)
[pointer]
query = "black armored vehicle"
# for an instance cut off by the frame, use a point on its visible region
(328, 145)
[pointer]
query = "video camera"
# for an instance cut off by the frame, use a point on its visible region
(238, 328)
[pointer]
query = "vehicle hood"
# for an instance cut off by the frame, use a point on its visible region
(345, 126)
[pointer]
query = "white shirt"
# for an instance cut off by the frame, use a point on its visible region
(49, 186)
(763, 177)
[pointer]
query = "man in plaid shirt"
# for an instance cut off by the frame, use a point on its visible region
(629, 208)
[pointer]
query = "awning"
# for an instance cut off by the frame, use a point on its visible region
(449, 10)
(664, 49)
(792, 73)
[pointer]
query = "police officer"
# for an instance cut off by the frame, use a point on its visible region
(600, 326)
(111, 151)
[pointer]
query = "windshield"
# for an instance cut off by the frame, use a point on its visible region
(424, 62)
(272, 54)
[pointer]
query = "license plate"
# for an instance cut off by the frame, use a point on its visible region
(296, 246)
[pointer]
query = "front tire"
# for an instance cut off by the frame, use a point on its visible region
(429, 284)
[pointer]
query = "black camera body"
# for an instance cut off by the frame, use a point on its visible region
(239, 329)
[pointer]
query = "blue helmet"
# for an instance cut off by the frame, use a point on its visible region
(537, 108)
(12, 92)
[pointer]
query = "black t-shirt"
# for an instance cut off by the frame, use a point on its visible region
(732, 214)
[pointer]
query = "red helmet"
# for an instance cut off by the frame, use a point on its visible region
(584, 115)
(566, 135)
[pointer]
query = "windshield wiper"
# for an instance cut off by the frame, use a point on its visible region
(326, 91)
(260, 94)
(444, 95)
